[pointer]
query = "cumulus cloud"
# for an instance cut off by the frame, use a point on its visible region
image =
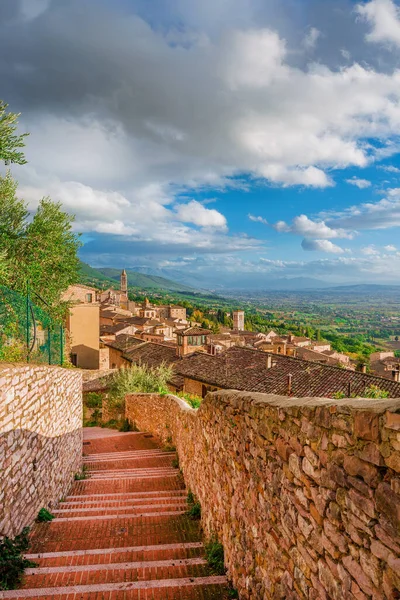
(383, 214)
(321, 246)
(196, 213)
(257, 219)
(362, 184)
(383, 16)
(303, 225)
(390, 248)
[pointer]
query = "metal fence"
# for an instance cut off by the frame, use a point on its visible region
(27, 332)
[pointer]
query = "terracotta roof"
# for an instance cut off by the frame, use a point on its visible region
(123, 342)
(314, 356)
(107, 329)
(133, 320)
(245, 369)
(152, 354)
(194, 331)
(109, 314)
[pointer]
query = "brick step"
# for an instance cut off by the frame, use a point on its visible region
(131, 463)
(121, 510)
(125, 496)
(46, 577)
(126, 453)
(118, 555)
(103, 532)
(90, 487)
(189, 588)
(140, 471)
(150, 500)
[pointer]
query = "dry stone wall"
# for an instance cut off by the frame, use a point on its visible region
(40, 440)
(303, 493)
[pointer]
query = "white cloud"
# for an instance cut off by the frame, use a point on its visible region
(383, 214)
(390, 248)
(311, 39)
(196, 213)
(345, 53)
(384, 18)
(251, 59)
(370, 250)
(362, 184)
(321, 246)
(257, 219)
(389, 168)
(303, 225)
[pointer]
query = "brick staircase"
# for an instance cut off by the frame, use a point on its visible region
(122, 533)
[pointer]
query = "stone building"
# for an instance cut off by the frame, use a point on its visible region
(238, 320)
(192, 339)
(83, 326)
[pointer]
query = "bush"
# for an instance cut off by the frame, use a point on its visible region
(215, 556)
(12, 561)
(138, 378)
(193, 400)
(93, 400)
(44, 516)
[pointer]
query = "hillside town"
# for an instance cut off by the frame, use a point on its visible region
(219, 419)
(107, 331)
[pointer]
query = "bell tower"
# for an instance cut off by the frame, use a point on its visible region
(124, 282)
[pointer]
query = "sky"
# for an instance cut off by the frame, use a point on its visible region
(232, 142)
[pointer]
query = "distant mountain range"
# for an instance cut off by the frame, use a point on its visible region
(105, 277)
(149, 278)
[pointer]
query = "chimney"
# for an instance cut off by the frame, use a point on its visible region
(289, 384)
(396, 376)
(269, 361)
(363, 368)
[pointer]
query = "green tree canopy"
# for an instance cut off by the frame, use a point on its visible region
(41, 251)
(10, 143)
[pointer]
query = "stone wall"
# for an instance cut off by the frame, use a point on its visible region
(40, 440)
(303, 493)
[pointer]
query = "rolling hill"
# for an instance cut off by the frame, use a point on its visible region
(105, 277)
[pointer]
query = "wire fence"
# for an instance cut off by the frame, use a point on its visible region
(27, 332)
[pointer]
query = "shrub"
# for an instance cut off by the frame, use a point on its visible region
(12, 561)
(193, 400)
(44, 516)
(215, 556)
(375, 392)
(138, 378)
(93, 400)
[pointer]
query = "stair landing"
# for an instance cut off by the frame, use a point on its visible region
(123, 532)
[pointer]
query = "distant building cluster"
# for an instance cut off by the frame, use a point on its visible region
(108, 331)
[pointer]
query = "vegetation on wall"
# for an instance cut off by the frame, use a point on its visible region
(138, 378)
(12, 560)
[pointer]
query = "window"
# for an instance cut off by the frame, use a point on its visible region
(89, 297)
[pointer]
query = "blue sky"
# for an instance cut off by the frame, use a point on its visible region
(228, 141)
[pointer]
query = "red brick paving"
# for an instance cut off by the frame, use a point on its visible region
(122, 533)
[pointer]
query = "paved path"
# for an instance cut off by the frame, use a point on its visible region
(122, 533)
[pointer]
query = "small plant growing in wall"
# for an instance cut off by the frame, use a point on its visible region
(194, 506)
(126, 426)
(215, 556)
(81, 474)
(12, 560)
(44, 516)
